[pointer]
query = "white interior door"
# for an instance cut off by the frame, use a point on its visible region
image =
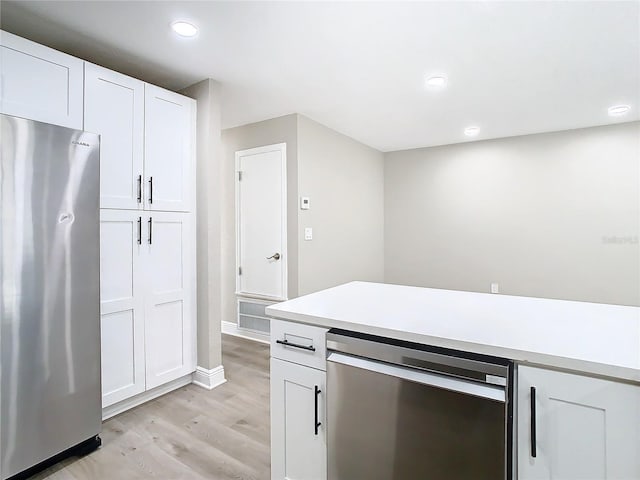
(261, 226)
(121, 305)
(114, 108)
(170, 297)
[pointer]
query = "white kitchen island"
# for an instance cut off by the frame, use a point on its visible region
(583, 360)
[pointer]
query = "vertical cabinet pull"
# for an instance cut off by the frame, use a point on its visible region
(150, 230)
(150, 189)
(533, 423)
(139, 188)
(316, 423)
(139, 230)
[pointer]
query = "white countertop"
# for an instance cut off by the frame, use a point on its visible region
(585, 337)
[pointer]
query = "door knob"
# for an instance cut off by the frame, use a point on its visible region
(275, 256)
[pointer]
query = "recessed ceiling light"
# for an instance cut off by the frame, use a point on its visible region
(618, 110)
(471, 131)
(184, 29)
(436, 81)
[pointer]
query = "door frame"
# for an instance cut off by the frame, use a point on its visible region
(282, 148)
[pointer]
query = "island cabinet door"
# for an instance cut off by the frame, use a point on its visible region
(572, 427)
(298, 439)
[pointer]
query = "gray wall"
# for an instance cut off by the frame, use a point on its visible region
(209, 161)
(344, 180)
(277, 130)
(553, 215)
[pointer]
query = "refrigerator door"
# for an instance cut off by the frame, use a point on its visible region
(49, 297)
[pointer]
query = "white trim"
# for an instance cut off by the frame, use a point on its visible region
(256, 299)
(282, 147)
(231, 328)
(262, 298)
(209, 379)
(116, 408)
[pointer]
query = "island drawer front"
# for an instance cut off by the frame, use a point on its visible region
(298, 343)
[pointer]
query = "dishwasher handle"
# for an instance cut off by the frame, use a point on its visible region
(444, 382)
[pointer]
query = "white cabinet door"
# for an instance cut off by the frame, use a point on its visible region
(39, 83)
(168, 158)
(585, 428)
(170, 297)
(298, 447)
(114, 108)
(121, 306)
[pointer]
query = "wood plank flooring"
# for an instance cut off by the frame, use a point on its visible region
(190, 433)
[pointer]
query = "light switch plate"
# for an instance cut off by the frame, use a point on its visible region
(305, 203)
(308, 233)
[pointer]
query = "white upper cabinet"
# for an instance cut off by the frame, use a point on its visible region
(168, 143)
(39, 83)
(114, 108)
(572, 427)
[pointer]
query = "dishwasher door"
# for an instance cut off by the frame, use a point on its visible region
(391, 422)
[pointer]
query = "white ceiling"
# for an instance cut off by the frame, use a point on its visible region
(514, 67)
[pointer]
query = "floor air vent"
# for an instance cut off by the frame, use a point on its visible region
(251, 316)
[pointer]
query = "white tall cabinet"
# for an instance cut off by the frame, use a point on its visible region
(147, 209)
(574, 427)
(147, 232)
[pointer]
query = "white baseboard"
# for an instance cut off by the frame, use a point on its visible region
(209, 379)
(124, 405)
(231, 328)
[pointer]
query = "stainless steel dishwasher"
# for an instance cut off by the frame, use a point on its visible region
(404, 411)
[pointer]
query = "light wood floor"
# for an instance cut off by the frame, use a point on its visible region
(190, 433)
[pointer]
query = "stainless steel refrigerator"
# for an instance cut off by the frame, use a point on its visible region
(50, 402)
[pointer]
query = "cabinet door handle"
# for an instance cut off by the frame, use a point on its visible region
(139, 230)
(139, 188)
(533, 423)
(150, 189)
(150, 230)
(316, 423)
(287, 343)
